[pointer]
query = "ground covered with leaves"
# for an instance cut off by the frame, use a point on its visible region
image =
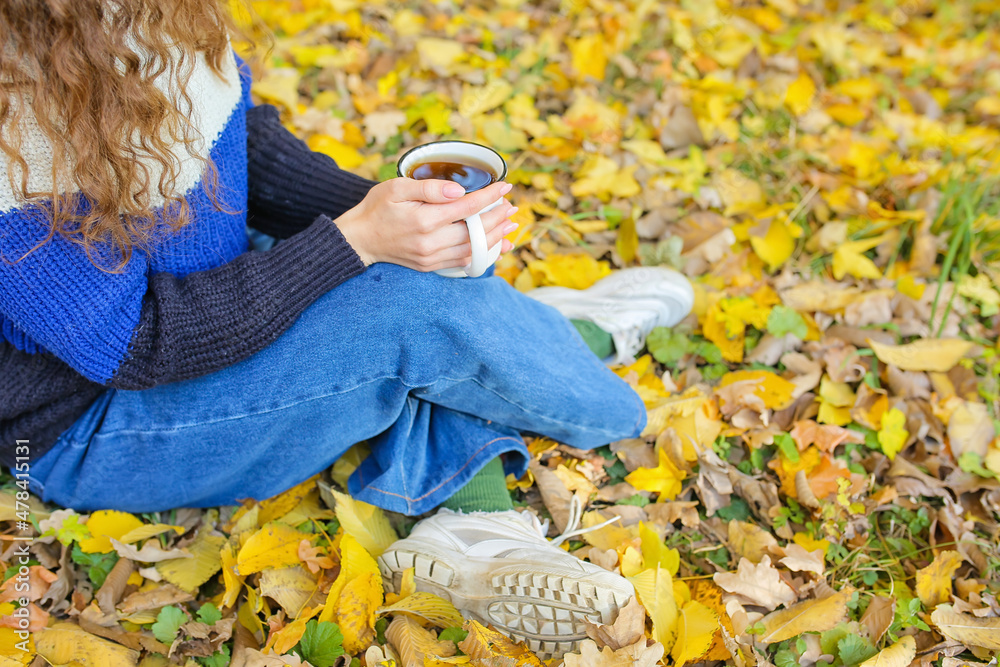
(818, 482)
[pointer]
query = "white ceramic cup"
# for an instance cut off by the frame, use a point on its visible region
(456, 151)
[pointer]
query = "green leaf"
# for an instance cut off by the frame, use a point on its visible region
(321, 643)
(829, 639)
(783, 320)
(453, 634)
(787, 446)
(638, 500)
(855, 649)
(70, 531)
(380, 627)
(972, 463)
(168, 623)
(209, 614)
(737, 509)
(218, 659)
(786, 658)
(667, 345)
(98, 565)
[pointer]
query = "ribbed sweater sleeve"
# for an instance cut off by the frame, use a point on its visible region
(289, 184)
(212, 319)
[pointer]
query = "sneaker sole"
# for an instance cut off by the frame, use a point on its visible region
(544, 609)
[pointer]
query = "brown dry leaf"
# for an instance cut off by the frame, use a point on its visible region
(628, 628)
(750, 541)
(114, 585)
(934, 581)
(900, 654)
(967, 629)
(817, 615)
(878, 617)
(555, 495)
(151, 552)
(759, 585)
(484, 643)
(635, 655)
(798, 559)
(154, 598)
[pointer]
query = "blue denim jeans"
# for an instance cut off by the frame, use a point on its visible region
(439, 375)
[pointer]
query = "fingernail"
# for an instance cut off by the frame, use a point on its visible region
(507, 187)
(509, 227)
(512, 211)
(453, 191)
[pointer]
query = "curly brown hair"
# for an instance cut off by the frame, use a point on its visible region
(74, 68)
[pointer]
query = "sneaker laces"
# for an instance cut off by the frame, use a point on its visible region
(573, 523)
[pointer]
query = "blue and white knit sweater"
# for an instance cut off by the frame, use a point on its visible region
(195, 303)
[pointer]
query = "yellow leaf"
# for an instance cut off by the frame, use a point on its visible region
(440, 55)
(147, 531)
(848, 259)
(414, 644)
(291, 587)
(906, 285)
(287, 637)
(356, 611)
(426, 608)
(774, 390)
(655, 589)
(927, 354)
(366, 523)
(739, 193)
(66, 643)
(190, 573)
(778, 244)
(600, 176)
(665, 479)
(899, 654)
(892, 436)
(799, 96)
(345, 156)
(230, 575)
(934, 581)
(480, 99)
(714, 329)
(980, 289)
(104, 525)
(279, 85)
(283, 503)
(750, 541)
(355, 562)
(648, 151)
(988, 106)
(817, 615)
(967, 629)
(837, 394)
(847, 114)
(502, 136)
(589, 56)
(576, 271)
(489, 647)
(695, 629)
(655, 552)
(274, 545)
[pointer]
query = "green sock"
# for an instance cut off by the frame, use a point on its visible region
(486, 492)
(597, 339)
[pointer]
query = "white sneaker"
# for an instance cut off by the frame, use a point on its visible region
(627, 304)
(499, 569)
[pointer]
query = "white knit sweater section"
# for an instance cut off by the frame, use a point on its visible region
(212, 102)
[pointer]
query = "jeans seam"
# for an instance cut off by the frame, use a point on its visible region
(443, 482)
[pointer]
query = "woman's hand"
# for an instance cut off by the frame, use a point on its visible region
(413, 223)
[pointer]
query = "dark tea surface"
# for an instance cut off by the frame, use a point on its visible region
(469, 176)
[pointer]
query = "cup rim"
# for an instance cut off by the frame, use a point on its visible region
(402, 158)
